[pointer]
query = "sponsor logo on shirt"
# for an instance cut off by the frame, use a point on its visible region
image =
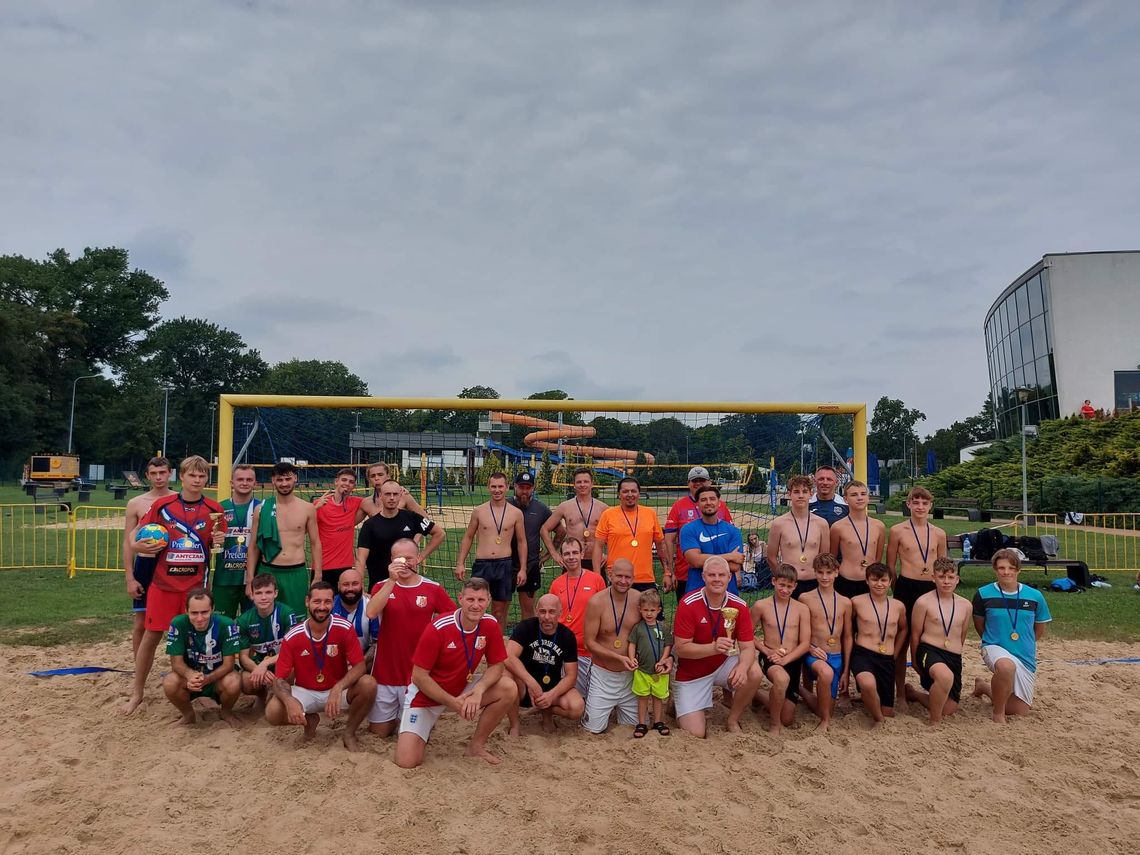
(480, 642)
(704, 538)
(704, 620)
(304, 652)
(421, 602)
(406, 528)
(333, 649)
(451, 646)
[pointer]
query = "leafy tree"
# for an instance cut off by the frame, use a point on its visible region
(543, 480)
(478, 392)
(891, 423)
(311, 377)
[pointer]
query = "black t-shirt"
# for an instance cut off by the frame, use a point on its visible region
(544, 656)
(535, 514)
(379, 533)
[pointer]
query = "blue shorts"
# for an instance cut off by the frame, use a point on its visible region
(835, 660)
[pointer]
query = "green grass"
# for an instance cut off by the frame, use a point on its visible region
(45, 608)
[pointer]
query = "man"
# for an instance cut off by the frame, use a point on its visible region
(181, 564)
(542, 657)
(498, 530)
(444, 678)
(710, 654)
(391, 523)
(577, 517)
(263, 628)
(338, 514)
(858, 541)
(202, 646)
(683, 512)
(710, 535)
(574, 589)
(351, 604)
(610, 617)
(325, 660)
(793, 539)
(535, 514)
(404, 605)
(629, 532)
(826, 504)
(280, 525)
(228, 584)
(139, 567)
(377, 474)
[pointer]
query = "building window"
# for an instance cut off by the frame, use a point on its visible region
(1127, 385)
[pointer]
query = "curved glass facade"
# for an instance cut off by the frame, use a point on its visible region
(1019, 346)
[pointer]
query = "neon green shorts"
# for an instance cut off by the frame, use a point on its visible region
(645, 685)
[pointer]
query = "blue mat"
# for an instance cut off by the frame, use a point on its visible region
(67, 672)
(1131, 660)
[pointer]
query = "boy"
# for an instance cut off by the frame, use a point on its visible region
(830, 650)
(787, 637)
(1011, 619)
(798, 536)
(202, 646)
(651, 642)
(937, 638)
(262, 629)
(880, 632)
(139, 566)
(857, 540)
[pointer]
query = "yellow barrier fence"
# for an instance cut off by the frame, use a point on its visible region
(96, 539)
(1103, 541)
(34, 535)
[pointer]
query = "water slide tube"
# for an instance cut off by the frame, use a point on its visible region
(541, 439)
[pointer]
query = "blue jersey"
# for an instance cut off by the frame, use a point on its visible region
(718, 539)
(831, 510)
(366, 629)
(1009, 614)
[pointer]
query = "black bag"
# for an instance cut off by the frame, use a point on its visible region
(986, 543)
(1032, 547)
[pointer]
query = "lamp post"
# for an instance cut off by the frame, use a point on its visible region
(1023, 396)
(213, 416)
(165, 405)
(71, 422)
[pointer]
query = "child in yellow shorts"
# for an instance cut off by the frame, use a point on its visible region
(651, 642)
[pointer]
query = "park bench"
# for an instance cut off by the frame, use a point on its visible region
(1003, 508)
(971, 508)
(1076, 570)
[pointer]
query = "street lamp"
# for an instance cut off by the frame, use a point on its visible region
(1023, 396)
(71, 423)
(165, 405)
(213, 411)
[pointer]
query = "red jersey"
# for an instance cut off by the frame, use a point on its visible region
(410, 609)
(683, 512)
(336, 527)
(449, 654)
(182, 564)
(697, 620)
(333, 654)
(574, 594)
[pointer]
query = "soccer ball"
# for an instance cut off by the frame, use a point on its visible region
(153, 532)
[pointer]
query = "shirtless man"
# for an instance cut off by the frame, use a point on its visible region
(937, 639)
(610, 617)
(913, 545)
(576, 517)
(798, 536)
(140, 566)
(377, 474)
(858, 541)
(493, 524)
(279, 526)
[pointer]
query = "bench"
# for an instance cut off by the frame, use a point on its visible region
(1076, 570)
(1003, 508)
(971, 508)
(119, 491)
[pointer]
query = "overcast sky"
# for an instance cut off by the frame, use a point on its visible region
(813, 201)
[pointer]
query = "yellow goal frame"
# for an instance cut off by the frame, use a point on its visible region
(227, 403)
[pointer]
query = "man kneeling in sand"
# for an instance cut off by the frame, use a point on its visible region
(203, 647)
(611, 616)
(324, 657)
(444, 678)
(543, 660)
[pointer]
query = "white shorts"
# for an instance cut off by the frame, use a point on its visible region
(692, 696)
(314, 702)
(583, 682)
(388, 705)
(421, 720)
(609, 689)
(1024, 680)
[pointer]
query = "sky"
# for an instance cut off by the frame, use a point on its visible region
(667, 201)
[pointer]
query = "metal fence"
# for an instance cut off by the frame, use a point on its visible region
(35, 535)
(1103, 541)
(96, 542)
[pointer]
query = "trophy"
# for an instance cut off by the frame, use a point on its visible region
(214, 520)
(729, 614)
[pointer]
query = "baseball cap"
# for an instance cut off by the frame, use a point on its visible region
(524, 478)
(699, 472)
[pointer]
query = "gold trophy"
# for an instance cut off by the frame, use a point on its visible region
(729, 614)
(214, 520)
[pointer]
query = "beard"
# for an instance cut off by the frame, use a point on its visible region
(351, 598)
(320, 615)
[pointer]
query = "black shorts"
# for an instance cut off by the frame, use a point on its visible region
(879, 665)
(144, 574)
(533, 578)
(499, 574)
(803, 586)
(907, 592)
(794, 669)
(929, 655)
(850, 587)
(333, 576)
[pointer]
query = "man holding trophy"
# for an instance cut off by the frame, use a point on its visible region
(715, 646)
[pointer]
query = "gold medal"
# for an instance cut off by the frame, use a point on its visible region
(783, 651)
(546, 679)
(925, 569)
(586, 533)
(241, 540)
(470, 678)
(831, 641)
(617, 643)
(633, 543)
(882, 648)
(498, 540)
(1013, 636)
(863, 563)
(320, 678)
(803, 558)
(946, 643)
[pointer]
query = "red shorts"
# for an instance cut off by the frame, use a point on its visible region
(162, 607)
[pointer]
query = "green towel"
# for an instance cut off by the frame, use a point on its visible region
(268, 534)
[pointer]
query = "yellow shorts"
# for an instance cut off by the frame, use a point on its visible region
(645, 685)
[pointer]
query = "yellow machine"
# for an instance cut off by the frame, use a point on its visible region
(57, 470)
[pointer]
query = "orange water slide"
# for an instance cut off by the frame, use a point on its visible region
(548, 430)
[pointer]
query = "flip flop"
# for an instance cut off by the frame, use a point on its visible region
(662, 728)
(640, 730)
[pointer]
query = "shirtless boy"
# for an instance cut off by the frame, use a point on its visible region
(857, 540)
(493, 524)
(787, 636)
(830, 650)
(140, 565)
(279, 526)
(610, 617)
(798, 536)
(576, 517)
(937, 638)
(913, 545)
(880, 627)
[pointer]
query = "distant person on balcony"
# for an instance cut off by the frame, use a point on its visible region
(1087, 410)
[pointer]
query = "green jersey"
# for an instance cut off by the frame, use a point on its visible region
(229, 567)
(262, 636)
(205, 650)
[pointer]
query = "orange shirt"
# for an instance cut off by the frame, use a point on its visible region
(617, 528)
(574, 594)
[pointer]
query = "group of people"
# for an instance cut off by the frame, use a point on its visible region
(359, 630)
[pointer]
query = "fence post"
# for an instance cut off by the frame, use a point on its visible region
(71, 525)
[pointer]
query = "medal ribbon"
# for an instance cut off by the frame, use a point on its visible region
(834, 611)
(549, 645)
(322, 657)
(942, 618)
(776, 614)
(863, 545)
(587, 517)
(472, 657)
(570, 599)
(716, 622)
(882, 623)
(498, 522)
(922, 552)
(636, 522)
(1013, 613)
(803, 536)
(654, 633)
(617, 623)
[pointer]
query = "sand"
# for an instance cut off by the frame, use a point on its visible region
(81, 778)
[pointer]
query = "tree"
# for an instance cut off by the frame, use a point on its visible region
(466, 421)
(311, 377)
(543, 481)
(892, 423)
(478, 392)
(947, 443)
